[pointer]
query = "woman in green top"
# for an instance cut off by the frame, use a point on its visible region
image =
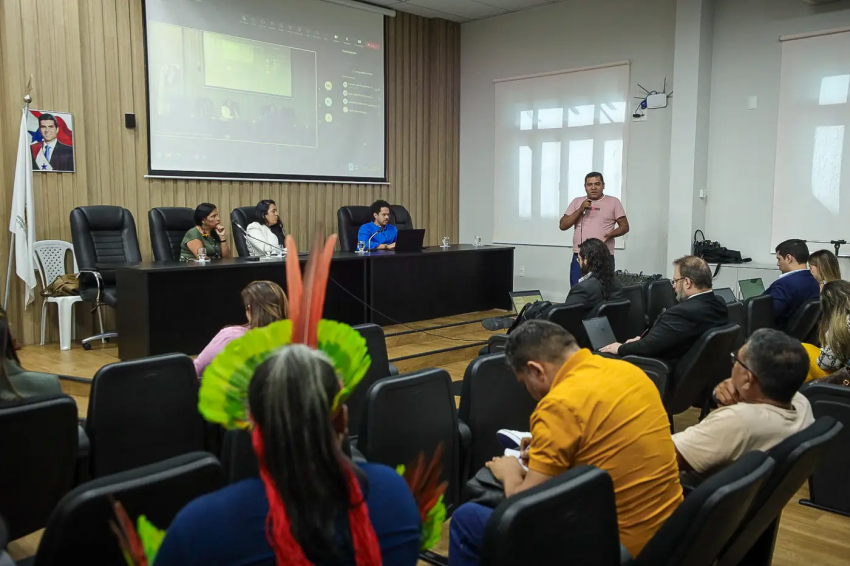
(15, 382)
(208, 235)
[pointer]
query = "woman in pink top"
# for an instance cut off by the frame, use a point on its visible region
(265, 302)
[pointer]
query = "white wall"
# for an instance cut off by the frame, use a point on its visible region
(742, 143)
(570, 34)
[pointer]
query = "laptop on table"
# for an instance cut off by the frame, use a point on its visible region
(751, 287)
(726, 294)
(410, 240)
(522, 298)
(599, 332)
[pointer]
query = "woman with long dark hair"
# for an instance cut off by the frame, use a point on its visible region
(597, 283)
(264, 301)
(266, 235)
(311, 505)
(15, 382)
(208, 235)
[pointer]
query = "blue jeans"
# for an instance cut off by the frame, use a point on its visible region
(575, 269)
(466, 534)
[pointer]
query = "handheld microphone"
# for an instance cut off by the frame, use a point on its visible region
(247, 235)
(586, 210)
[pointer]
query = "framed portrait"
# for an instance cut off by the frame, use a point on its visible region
(51, 141)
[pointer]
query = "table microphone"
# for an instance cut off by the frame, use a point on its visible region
(245, 232)
(369, 243)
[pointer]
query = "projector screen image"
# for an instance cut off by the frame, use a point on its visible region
(265, 89)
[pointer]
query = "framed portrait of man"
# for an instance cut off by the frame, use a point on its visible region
(51, 141)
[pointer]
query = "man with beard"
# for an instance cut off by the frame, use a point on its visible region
(679, 327)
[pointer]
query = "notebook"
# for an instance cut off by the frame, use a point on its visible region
(599, 332)
(751, 287)
(409, 240)
(521, 298)
(726, 294)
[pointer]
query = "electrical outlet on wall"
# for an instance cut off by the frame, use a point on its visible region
(522, 271)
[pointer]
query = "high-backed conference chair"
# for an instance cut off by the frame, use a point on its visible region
(828, 489)
(243, 216)
(804, 321)
(400, 217)
(350, 219)
(759, 311)
(102, 235)
(168, 225)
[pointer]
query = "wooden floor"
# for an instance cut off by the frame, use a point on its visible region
(806, 536)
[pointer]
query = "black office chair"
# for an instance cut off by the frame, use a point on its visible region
(410, 414)
(238, 459)
(658, 297)
(102, 235)
(737, 315)
(569, 317)
(38, 451)
(491, 399)
(699, 529)
(143, 411)
(349, 220)
(617, 313)
(804, 321)
(376, 343)
(635, 319)
(570, 519)
(168, 226)
(828, 488)
(243, 216)
(400, 217)
(759, 311)
(79, 526)
(796, 457)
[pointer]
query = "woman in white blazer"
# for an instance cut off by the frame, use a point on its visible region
(266, 232)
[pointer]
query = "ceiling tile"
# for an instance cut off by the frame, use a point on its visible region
(466, 9)
(515, 5)
(426, 12)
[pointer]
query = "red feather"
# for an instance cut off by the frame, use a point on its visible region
(423, 479)
(128, 538)
(294, 286)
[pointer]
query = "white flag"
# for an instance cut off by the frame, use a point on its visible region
(22, 221)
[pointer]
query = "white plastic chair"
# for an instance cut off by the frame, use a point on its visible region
(50, 261)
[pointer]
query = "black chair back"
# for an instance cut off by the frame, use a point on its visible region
(168, 226)
(243, 216)
(737, 315)
(79, 526)
(410, 414)
(376, 343)
(143, 411)
(349, 220)
(238, 459)
(759, 311)
(617, 313)
(705, 365)
(572, 519)
(635, 319)
(796, 457)
(659, 297)
(400, 217)
(39, 456)
(569, 317)
(103, 234)
(492, 399)
(698, 530)
(828, 488)
(804, 320)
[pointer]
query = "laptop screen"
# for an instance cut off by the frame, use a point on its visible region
(726, 294)
(751, 287)
(521, 298)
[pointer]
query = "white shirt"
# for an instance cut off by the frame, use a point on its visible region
(793, 272)
(701, 293)
(262, 241)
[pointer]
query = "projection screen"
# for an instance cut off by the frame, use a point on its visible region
(265, 89)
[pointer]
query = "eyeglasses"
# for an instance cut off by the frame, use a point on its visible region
(674, 281)
(735, 360)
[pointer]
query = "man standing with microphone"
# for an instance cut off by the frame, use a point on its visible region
(595, 216)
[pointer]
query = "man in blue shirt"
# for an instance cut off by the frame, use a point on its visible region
(796, 285)
(379, 234)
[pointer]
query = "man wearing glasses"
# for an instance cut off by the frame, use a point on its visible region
(677, 329)
(595, 216)
(759, 405)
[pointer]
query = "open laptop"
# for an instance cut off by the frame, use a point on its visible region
(726, 294)
(599, 332)
(751, 287)
(409, 240)
(521, 298)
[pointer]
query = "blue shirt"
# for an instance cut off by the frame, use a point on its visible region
(790, 291)
(228, 527)
(388, 236)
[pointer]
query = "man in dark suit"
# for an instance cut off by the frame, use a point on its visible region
(796, 285)
(50, 154)
(597, 283)
(680, 326)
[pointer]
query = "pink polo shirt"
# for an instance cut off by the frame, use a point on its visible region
(600, 219)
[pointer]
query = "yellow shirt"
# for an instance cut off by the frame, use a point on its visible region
(607, 413)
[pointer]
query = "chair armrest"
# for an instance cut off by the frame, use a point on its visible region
(393, 369)
(465, 435)
(650, 363)
(91, 278)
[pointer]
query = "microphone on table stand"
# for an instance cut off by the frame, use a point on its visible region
(369, 243)
(281, 251)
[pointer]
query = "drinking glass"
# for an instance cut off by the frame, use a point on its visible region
(361, 246)
(477, 242)
(445, 242)
(202, 255)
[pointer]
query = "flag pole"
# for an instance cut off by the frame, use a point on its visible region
(27, 100)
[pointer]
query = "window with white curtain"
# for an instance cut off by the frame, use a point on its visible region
(551, 131)
(811, 186)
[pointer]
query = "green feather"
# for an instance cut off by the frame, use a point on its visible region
(150, 536)
(429, 536)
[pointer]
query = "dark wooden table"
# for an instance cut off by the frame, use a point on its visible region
(179, 306)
